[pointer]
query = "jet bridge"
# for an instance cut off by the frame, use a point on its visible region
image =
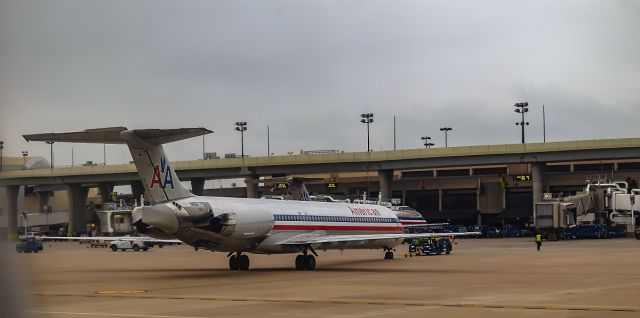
(602, 203)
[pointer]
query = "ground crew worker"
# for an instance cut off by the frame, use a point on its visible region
(538, 241)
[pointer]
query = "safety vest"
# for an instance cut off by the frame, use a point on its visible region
(538, 238)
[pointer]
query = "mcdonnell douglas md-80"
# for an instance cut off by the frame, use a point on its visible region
(239, 226)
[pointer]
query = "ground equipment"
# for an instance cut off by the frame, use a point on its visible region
(423, 247)
(29, 244)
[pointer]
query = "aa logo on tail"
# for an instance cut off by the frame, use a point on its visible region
(162, 175)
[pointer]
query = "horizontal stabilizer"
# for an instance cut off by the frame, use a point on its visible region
(113, 135)
(109, 135)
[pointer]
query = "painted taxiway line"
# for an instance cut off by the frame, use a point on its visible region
(351, 302)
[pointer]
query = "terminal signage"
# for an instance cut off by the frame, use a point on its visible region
(331, 185)
(282, 186)
(522, 177)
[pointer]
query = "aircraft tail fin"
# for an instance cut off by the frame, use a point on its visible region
(298, 189)
(155, 171)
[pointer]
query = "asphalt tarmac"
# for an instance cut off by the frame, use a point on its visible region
(481, 278)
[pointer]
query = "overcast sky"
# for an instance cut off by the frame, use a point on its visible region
(310, 68)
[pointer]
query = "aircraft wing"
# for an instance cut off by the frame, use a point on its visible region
(318, 238)
(110, 238)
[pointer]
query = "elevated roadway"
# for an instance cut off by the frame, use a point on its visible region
(565, 151)
(77, 180)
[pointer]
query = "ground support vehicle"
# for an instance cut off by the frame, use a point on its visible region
(429, 247)
(29, 244)
(124, 245)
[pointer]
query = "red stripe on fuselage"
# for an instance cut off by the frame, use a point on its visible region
(288, 227)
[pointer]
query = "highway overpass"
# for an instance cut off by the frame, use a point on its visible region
(383, 163)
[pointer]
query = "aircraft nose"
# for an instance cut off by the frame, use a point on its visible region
(161, 217)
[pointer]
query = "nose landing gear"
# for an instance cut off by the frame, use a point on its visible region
(388, 253)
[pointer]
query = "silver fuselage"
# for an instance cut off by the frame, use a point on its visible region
(260, 225)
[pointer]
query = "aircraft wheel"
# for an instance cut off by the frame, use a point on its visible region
(136, 248)
(310, 262)
(114, 248)
(388, 255)
(243, 262)
(300, 262)
(233, 263)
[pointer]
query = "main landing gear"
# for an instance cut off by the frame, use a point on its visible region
(304, 261)
(388, 253)
(238, 261)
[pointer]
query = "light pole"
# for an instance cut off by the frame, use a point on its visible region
(394, 132)
(241, 126)
(1, 147)
(24, 158)
(50, 143)
(522, 108)
(544, 125)
(446, 133)
(427, 141)
(367, 119)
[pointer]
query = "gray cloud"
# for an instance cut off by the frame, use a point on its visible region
(308, 69)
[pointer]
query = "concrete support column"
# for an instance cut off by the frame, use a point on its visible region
(137, 189)
(440, 195)
(252, 186)
(106, 188)
(77, 208)
(11, 193)
(197, 186)
(538, 176)
(385, 180)
(43, 200)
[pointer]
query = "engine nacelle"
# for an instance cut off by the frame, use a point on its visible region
(223, 224)
(252, 222)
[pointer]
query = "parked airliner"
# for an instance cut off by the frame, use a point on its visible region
(239, 226)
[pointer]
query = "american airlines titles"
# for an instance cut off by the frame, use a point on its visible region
(364, 211)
